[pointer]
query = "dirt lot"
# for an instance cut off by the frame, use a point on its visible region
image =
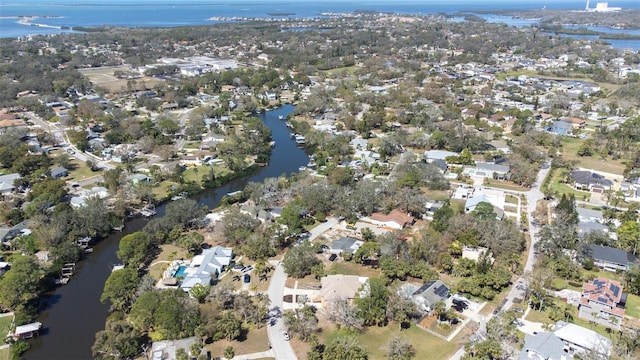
(104, 78)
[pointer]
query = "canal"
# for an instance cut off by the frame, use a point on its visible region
(74, 314)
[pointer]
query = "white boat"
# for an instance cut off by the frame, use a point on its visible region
(280, 117)
(117, 267)
(148, 210)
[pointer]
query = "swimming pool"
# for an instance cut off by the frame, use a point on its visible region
(180, 271)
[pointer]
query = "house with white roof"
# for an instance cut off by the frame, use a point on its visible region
(578, 339)
(206, 267)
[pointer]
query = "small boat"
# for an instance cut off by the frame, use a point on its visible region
(148, 210)
(117, 267)
(118, 228)
(280, 117)
(177, 197)
(88, 250)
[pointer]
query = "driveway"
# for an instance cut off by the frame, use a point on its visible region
(281, 348)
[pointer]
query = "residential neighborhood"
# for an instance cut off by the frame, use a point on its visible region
(366, 185)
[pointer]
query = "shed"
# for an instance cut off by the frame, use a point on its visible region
(28, 330)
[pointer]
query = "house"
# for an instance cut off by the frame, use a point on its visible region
(8, 233)
(396, 219)
(438, 154)
(205, 267)
(497, 201)
(166, 349)
(576, 123)
(59, 172)
(543, 346)
(603, 302)
(6, 183)
(139, 179)
(81, 199)
(560, 127)
(588, 180)
(578, 339)
(610, 258)
(334, 288)
(28, 330)
(429, 294)
(345, 244)
(488, 170)
(500, 145)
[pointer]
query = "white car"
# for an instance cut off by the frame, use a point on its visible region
(285, 335)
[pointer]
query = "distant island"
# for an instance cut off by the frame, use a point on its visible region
(280, 14)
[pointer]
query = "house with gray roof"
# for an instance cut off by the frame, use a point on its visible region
(543, 346)
(6, 183)
(166, 349)
(345, 244)
(429, 294)
(59, 172)
(610, 258)
(589, 180)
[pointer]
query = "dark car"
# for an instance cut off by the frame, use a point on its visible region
(246, 278)
(333, 257)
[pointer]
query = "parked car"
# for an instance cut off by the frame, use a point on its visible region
(285, 335)
(71, 151)
(246, 278)
(247, 269)
(333, 257)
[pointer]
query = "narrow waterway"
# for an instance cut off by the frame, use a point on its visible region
(74, 313)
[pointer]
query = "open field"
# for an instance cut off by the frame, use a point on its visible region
(256, 341)
(570, 148)
(104, 78)
(376, 338)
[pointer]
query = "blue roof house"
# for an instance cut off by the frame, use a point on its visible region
(560, 127)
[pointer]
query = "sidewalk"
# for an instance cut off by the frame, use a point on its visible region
(258, 355)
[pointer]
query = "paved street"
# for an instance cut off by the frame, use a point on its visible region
(281, 347)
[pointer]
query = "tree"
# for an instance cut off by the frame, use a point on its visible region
(229, 352)
(229, 326)
(20, 285)
(200, 292)
(484, 211)
(629, 236)
(400, 349)
(302, 322)
(135, 248)
(120, 287)
(118, 340)
(344, 313)
(344, 348)
(299, 260)
(372, 303)
(191, 242)
(238, 226)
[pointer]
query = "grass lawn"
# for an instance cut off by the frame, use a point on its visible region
(349, 268)
(570, 148)
(79, 171)
(375, 340)
(633, 306)
(196, 173)
(168, 252)
(510, 199)
(557, 187)
(4, 354)
(5, 325)
(162, 190)
(504, 185)
(256, 341)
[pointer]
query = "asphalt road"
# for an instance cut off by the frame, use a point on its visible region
(275, 327)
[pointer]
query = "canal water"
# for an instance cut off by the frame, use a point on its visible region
(74, 313)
